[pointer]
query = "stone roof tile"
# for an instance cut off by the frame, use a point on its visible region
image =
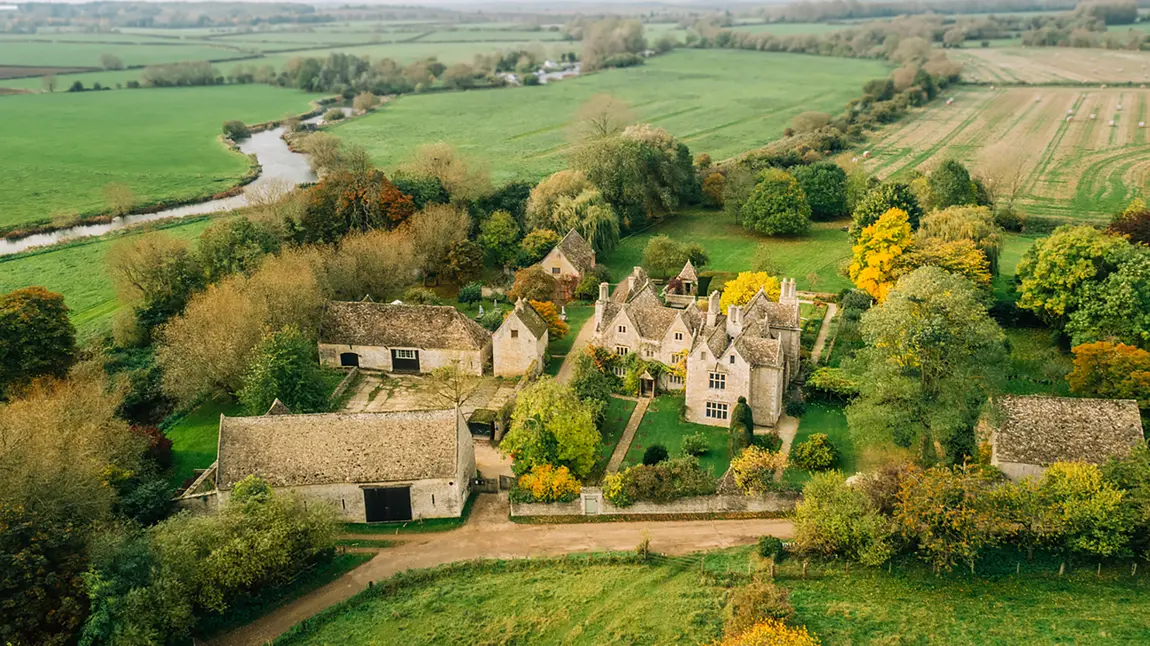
(1042, 430)
(578, 251)
(410, 326)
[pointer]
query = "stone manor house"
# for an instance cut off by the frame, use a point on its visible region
(751, 351)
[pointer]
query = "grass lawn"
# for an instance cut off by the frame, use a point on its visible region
(1037, 365)
(195, 438)
(721, 102)
(661, 425)
(731, 248)
(614, 422)
(77, 270)
(828, 419)
(1014, 245)
(61, 150)
(577, 316)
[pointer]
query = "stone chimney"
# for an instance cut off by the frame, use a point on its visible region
(734, 320)
(713, 309)
(601, 304)
(787, 293)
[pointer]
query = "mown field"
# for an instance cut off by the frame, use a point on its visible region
(1083, 169)
(61, 150)
(717, 101)
(1034, 65)
(669, 602)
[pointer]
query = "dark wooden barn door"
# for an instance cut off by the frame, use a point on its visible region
(384, 505)
(405, 360)
(349, 359)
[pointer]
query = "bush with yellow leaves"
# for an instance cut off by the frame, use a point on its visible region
(546, 483)
(771, 632)
(755, 469)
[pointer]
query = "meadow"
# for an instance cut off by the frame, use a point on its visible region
(1078, 169)
(575, 601)
(72, 54)
(720, 102)
(61, 150)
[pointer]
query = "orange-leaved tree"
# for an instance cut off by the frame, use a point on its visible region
(557, 328)
(1112, 370)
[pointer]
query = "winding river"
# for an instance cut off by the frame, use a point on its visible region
(278, 162)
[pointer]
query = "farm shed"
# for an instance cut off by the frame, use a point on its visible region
(371, 467)
(1027, 434)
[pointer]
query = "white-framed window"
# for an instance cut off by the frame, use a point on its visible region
(619, 371)
(674, 380)
(555, 270)
(717, 381)
(622, 329)
(405, 354)
(514, 334)
(715, 410)
(622, 350)
(678, 336)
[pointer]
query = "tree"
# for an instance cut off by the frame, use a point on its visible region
(551, 425)
(464, 261)
(1003, 169)
(365, 102)
(876, 203)
(433, 232)
(565, 201)
(878, 252)
(1131, 474)
(345, 201)
(591, 385)
(1133, 223)
(119, 198)
(601, 116)
(810, 121)
(545, 195)
(836, 519)
(452, 385)
(235, 246)
(111, 62)
(825, 185)
(1054, 271)
(461, 178)
(557, 328)
(533, 284)
(950, 185)
(156, 274)
(535, 246)
(460, 76)
(663, 256)
(499, 238)
(713, 187)
(931, 359)
(973, 223)
(376, 263)
(236, 130)
(777, 205)
(36, 336)
(1112, 371)
(1097, 520)
(606, 38)
(743, 288)
(283, 366)
(1116, 308)
(947, 514)
(959, 257)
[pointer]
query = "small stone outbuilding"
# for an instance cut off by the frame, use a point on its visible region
(570, 260)
(371, 467)
(1029, 433)
(402, 338)
(519, 345)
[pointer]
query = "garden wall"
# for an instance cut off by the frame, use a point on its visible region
(592, 503)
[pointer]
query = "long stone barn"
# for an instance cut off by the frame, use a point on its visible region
(371, 467)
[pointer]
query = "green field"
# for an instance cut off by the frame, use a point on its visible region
(721, 102)
(88, 54)
(790, 28)
(61, 150)
(731, 248)
(669, 602)
(662, 425)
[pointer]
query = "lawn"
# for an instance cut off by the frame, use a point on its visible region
(832, 421)
(1037, 365)
(195, 438)
(61, 150)
(722, 102)
(731, 248)
(577, 316)
(615, 420)
(661, 425)
(77, 270)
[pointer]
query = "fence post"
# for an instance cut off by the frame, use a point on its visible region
(805, 569)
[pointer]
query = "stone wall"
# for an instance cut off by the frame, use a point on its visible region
(515, 357)
(379, 358)
(429, 498)
(592, 503)
(556, 260)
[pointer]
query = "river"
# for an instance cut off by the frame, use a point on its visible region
(278, 163)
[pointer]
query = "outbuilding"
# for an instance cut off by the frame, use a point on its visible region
(520, 344)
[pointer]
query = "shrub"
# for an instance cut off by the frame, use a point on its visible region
(772, 632)
(655, 454)
(1010, 218)
(755, 603)
(491, 319)
(557, 328)
(815, 454)
(545, 483)
(769, 442)
(755, 469)
(159, 447)
(471, 293)
(663, 482)
(771, 547)
(588, 289)
(834, 519)
(421, 296)
(796, 408)
(695, 444)
(236, 130)
(334, 114)
(831, 384)
(777, 206)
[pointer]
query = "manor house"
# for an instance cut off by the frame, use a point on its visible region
(751, 351)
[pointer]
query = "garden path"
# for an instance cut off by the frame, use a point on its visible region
(824, 331)
(628, 434)
(787, 427)
(581, 340)
(489, 534)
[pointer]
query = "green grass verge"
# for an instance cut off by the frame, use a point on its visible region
(615, 420)
(812, 260)
(427, 526)
(577, 317)
(661, 425)
(831, 420)
(195, 438)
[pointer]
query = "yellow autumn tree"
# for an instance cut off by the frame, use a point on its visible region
(875, 266)
(959, 257)
(744, 287)
(772, 632)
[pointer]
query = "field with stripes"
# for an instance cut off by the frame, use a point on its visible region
(1074, 154)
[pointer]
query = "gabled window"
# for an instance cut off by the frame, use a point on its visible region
(717, 381)
(555, 270)
(678, 336)
(732, 360)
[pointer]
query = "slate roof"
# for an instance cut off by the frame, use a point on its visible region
(433, 327)
(1042, 430)
(689, 273)
(334, 448)
(529, 318)
(777, 314)
(758, 349)
(578, 251)
(636, 282)
(715, 337)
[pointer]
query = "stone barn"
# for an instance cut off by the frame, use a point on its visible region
(371, 467)
(1028, 434)
(402, 338)
(519, 345)
(570, 260)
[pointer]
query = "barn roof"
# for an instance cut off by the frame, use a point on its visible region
(578, 251)
(433, 327)
(1043, 430)
(336, 448)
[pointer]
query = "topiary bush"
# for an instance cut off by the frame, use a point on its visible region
(655, 454)
(695, 444)
(471, 293)
(816, 453)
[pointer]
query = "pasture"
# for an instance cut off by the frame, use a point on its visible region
(62, 150)
(1052, 65)
(720, 102)
(80, 54)
(1081, 169)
